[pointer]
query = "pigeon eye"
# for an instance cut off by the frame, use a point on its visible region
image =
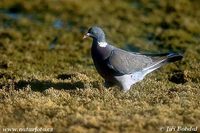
(92, 33)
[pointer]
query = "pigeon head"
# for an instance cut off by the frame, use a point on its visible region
(96, 33)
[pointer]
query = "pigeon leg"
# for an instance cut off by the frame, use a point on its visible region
(108, 84)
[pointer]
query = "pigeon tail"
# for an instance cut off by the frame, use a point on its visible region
(172, 57)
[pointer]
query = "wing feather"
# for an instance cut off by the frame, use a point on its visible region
(126, 62)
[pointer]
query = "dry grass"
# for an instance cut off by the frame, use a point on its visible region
(59, 88)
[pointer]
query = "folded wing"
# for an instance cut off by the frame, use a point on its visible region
(124, 62)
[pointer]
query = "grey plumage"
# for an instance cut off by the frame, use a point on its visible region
(121, 67)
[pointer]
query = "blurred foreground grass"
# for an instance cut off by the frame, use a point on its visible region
(59, 87)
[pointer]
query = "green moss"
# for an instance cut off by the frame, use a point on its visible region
(60, 88)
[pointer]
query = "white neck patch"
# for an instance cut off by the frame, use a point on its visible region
(102, 44)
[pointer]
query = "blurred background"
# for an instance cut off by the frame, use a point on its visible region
(41, 48)
(28, 28)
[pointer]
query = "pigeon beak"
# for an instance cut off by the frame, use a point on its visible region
(86, 35)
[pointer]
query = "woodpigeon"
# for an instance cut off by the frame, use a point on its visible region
(120, 67)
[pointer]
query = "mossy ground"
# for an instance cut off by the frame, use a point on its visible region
(59, 87)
